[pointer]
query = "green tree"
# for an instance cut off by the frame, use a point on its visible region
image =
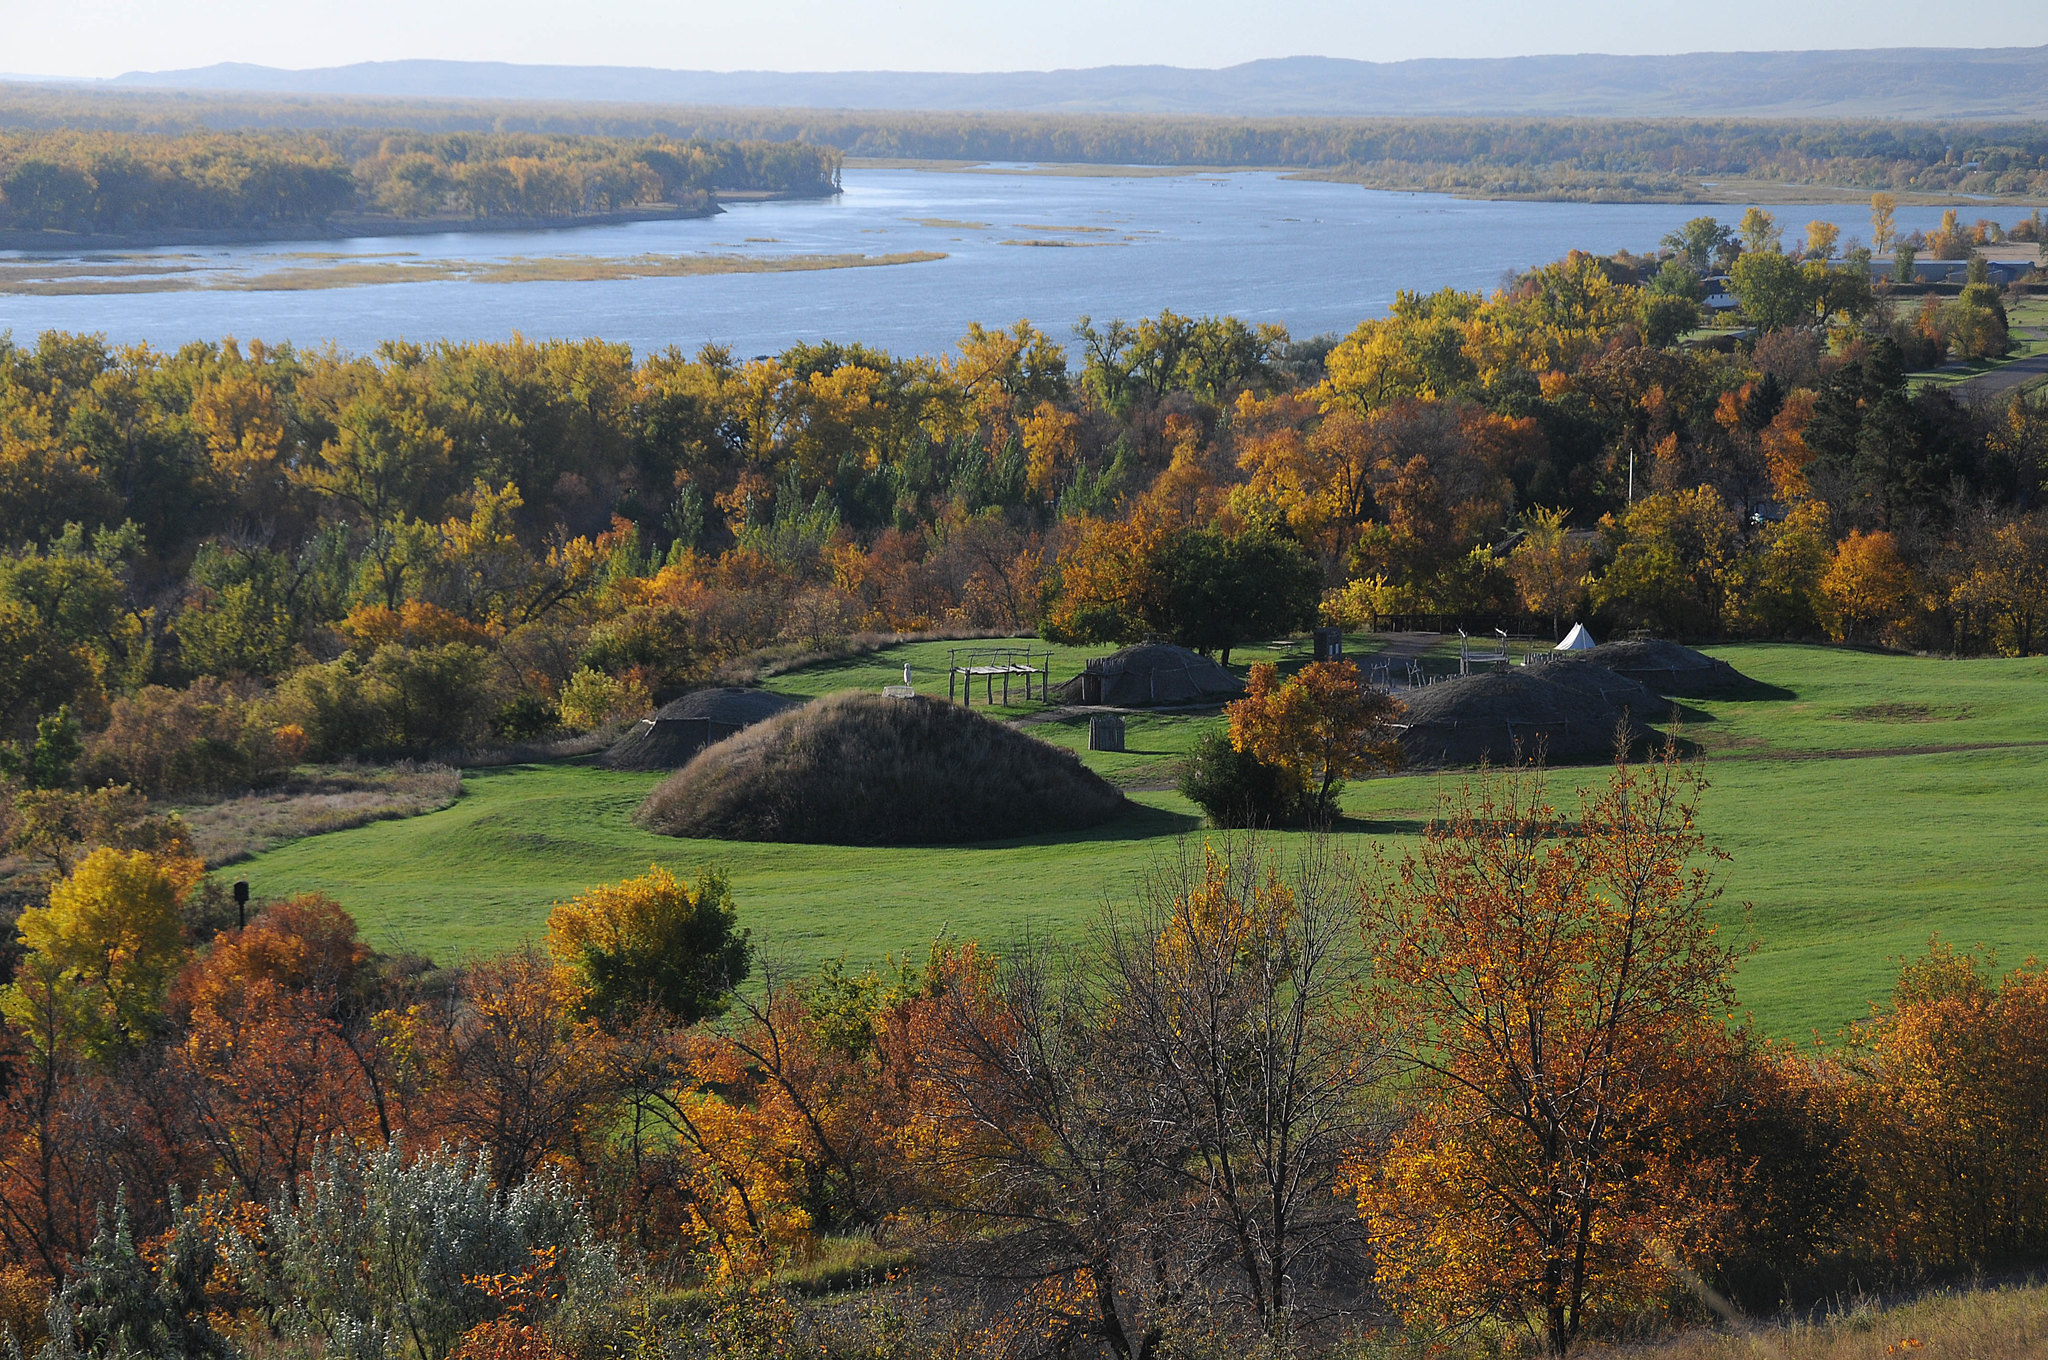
(1775, 291)
(653, 941)
(1671, 557)
(1664, 318)
(1701, 243)
(1212, 591)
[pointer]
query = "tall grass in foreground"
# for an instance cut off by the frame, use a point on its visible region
(2008, 1323)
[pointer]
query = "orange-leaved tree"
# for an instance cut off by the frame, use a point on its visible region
(507, 1064)
(1869, 587)
(1565, 988)
(277, 1046)
(1951, 1125)
(1323, 726)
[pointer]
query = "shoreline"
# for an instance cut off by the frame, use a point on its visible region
(1720, 193)
(365, 226)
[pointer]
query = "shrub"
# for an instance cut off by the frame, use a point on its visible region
(400, 701)
(652, 941)
(206, 739)
(525, 718)
(1237, 789)
(128, 1302)
(381, 1257)
(592, 699)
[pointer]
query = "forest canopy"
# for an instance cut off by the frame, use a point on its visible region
(128, 182)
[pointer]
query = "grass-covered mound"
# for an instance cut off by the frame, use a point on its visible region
(1561, 714)
(1666, 667)
(859, 769)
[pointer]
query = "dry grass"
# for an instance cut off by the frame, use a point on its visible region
(2008, 1323)
(858, 769)
(526, 752)
(316, 800)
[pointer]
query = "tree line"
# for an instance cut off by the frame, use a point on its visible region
(1603, 159)
(124, 182)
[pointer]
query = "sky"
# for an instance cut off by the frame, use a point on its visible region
(107, 37)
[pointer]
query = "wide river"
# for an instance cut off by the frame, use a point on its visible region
(1314, 256)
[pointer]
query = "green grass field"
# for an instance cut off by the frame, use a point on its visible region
(1874, 800)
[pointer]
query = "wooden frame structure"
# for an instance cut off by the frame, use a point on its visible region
(967, 664)
(1466, 656)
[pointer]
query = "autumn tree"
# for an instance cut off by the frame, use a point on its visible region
(1031, 1137)
(1549, 567)
(1883, 222)
(278, 1046)
(1951, 1122)
(1565, 989)
(1324, 725)
(506, 1064)
(787, 1118)
(2003, 588)
(88, 989)
(1868, 588)
(1102, 577)
(653, 941)
(1233, 980)
(1671, 555)
(101, 955)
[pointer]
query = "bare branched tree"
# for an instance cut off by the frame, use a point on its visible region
(1234, 986)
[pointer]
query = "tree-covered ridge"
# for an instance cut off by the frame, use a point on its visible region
(1600, 158)
(82, 181)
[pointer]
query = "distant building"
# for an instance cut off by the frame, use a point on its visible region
(2001, 272)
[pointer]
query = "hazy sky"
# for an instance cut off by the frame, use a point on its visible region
(106, 37)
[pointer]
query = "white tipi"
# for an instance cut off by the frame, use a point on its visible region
(1577, 640)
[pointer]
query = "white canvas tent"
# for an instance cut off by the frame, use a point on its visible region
(1577, 640)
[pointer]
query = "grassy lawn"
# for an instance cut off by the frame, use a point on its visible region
(1865, 802)
(2027, 314)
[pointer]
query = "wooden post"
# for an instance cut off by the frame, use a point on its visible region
(1006, 687)
(952, 676)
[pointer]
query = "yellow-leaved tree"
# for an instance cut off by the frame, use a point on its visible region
(102, 954)
(1549, 568)
(1868, 589)
(653, 941)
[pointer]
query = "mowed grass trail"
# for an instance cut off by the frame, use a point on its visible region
(1880, 799)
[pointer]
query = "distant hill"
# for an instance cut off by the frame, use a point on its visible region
(1886, 82)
